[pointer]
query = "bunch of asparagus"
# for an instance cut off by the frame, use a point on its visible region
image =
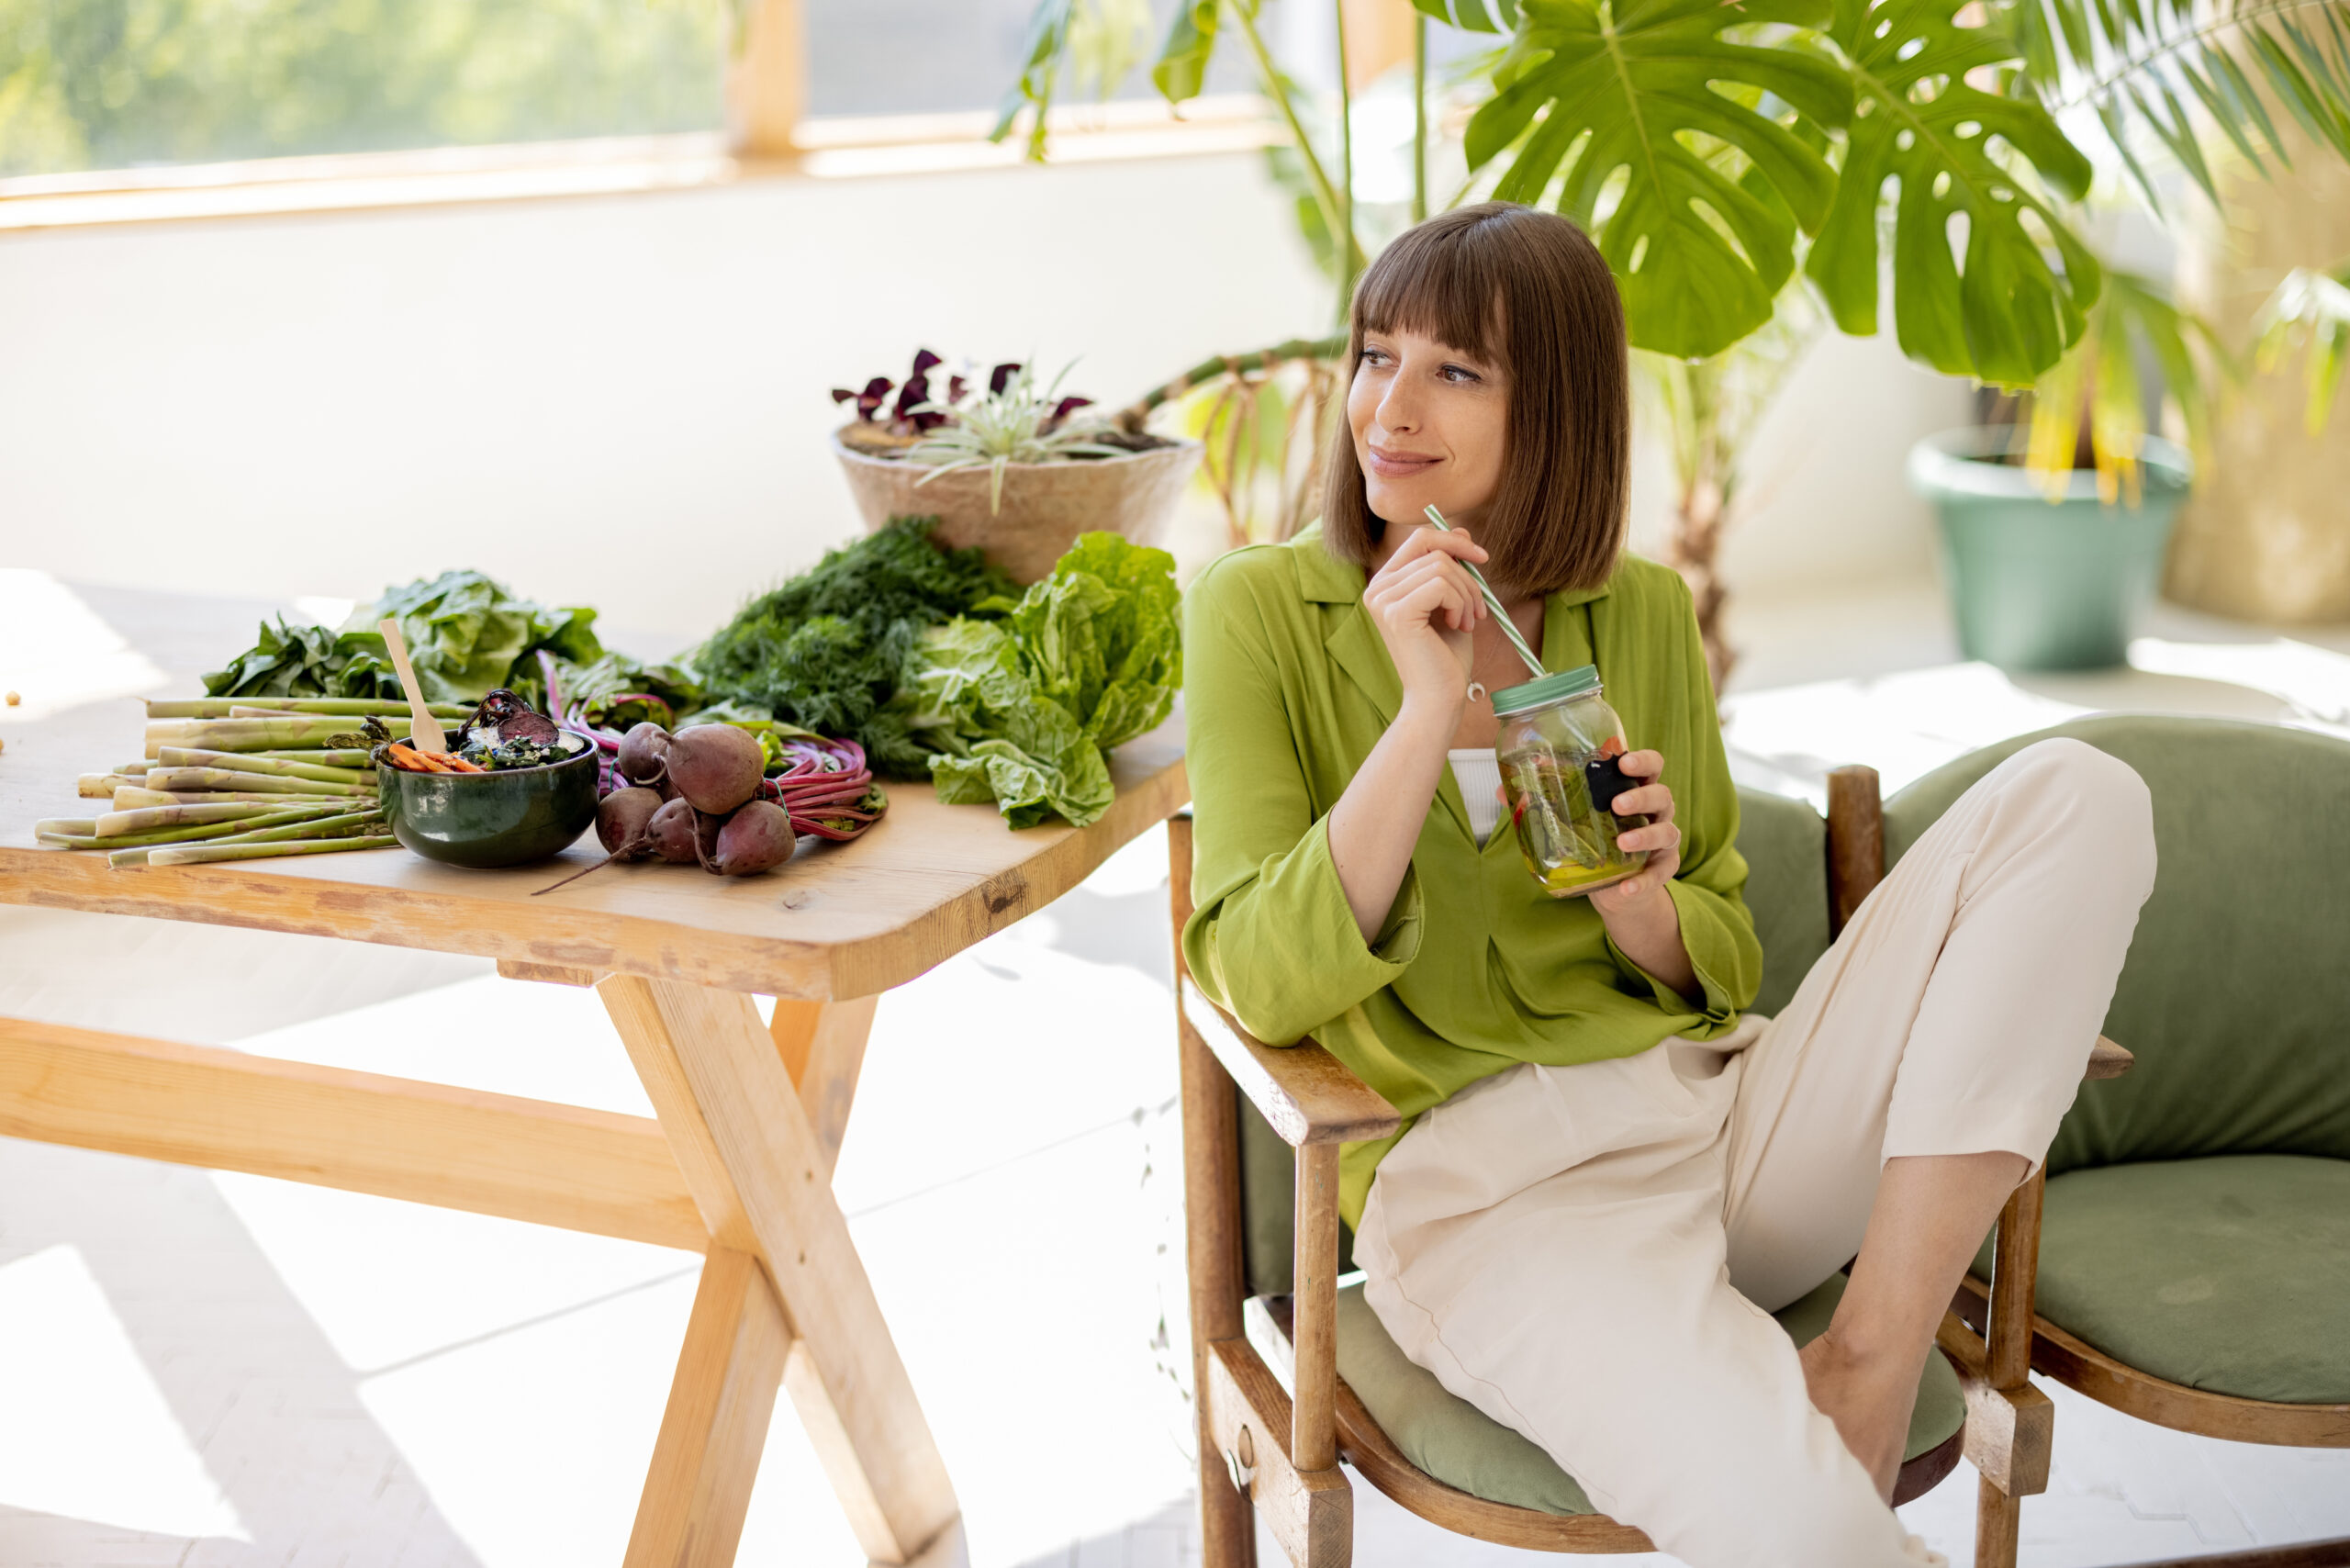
(240, 779)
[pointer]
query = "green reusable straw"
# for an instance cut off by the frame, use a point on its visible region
(1501, 616)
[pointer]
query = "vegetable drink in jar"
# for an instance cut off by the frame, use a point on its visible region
(1557, 750)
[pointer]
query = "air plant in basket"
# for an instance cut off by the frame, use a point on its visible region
(1011, 422)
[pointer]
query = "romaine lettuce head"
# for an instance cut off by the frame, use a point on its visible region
(1024, 710)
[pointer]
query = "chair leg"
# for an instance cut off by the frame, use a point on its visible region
(2015, 1267)
(1211, 1237)
(1999, 1525)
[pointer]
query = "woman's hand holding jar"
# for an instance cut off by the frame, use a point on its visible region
(1639, 911)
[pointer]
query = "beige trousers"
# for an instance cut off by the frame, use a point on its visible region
(1590, 1254)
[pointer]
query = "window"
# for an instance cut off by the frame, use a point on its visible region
(121, 84)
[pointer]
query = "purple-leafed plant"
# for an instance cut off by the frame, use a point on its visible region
(916, 411)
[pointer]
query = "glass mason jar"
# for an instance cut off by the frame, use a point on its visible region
(1557, 749)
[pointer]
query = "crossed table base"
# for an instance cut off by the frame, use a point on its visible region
(737, 1163)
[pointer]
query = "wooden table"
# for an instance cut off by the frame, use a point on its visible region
(738, 1164)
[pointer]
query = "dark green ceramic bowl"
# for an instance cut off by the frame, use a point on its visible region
(506, 817)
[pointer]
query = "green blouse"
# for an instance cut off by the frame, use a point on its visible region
(1287, 688)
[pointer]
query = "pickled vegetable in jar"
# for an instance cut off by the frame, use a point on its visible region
(1557, 749)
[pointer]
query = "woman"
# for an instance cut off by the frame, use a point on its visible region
(1609, 1173)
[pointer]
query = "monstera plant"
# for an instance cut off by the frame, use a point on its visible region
(1744, 165)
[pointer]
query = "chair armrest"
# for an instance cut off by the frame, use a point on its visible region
(2106, 1060)
(1307, 1095)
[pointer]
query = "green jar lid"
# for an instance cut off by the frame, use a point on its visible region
(1543, 690)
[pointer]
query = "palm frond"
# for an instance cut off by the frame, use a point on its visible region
(2098, 383)
(2309, 311)
(2199, 77)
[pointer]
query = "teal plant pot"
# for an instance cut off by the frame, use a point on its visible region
(507, 817)
(2036, 583)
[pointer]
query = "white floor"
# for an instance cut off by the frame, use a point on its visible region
(205, 1369)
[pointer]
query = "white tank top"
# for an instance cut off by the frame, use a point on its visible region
(1479, 775)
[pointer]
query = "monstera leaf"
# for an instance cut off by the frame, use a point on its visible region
(2008, 314)
(1472, 16)
(1699, 246)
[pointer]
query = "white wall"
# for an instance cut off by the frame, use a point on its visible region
(1823, 503)
(622, 401)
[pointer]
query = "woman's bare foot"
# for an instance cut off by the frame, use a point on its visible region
(1869, 1397)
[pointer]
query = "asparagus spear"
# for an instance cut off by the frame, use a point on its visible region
(244, 762)
(352, 824)
(217, 707)
(136, 797)
(359, 757)
(342, 825)
(174, 834)
(255, 735)
(99, 786)
(146, 818)
(198, 854)
(65, 827)
(256, 783)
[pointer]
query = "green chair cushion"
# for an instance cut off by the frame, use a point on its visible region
(2230, 1274)
(2235, 989)
(1460, 1446)
(1786, 845)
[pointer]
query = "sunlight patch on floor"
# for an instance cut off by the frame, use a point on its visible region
(56, 652)
(89, 1435)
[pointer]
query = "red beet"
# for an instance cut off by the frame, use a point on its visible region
(645, 752)
(715, 766)
(624, 826)
(622, 819)
(757, 837)
(673, 833)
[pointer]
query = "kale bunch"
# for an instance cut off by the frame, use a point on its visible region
(824, 650)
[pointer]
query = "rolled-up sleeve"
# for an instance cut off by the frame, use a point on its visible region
(1272, 936)
(1707, 892)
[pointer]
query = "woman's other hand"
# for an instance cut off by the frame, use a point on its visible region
(1639, 914)
(1425, 608)
(1658, 835)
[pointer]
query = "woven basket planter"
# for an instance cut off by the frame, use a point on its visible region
(1045, 505)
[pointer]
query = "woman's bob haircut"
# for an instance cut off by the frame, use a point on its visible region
(1527, 290)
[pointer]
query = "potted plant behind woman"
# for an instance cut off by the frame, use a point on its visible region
(1009, 468)
(2053, 528)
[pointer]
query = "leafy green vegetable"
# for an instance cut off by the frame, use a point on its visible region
(615, 691)
(465, 635)
(1024, 710)
(301, 661)
(824, 650)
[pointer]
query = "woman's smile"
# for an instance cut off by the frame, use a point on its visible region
(1392, 462)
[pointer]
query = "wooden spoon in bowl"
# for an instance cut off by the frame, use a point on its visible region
(424, 730)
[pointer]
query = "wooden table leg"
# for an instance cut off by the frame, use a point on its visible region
(760, 1176)
(822, 1047)
(723, 1396)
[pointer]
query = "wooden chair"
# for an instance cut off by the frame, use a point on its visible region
(2187, 1260)
(1262, 1127)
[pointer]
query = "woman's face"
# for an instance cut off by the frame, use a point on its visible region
(1430, 426)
